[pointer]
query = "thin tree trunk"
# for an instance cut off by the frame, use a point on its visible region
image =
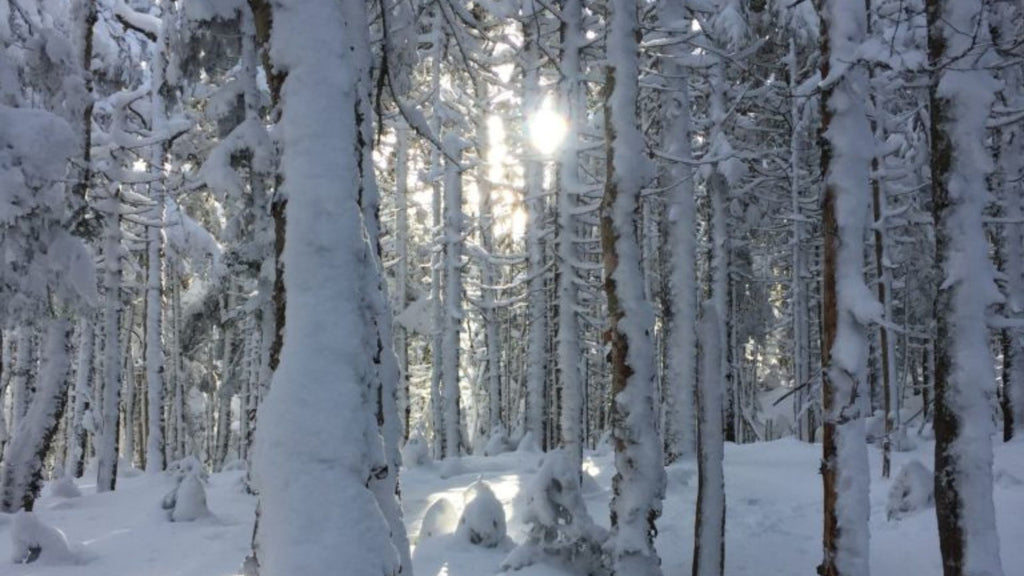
(226, 389)
(488, 278)
(107, 446)
(570, 354)
(402, 272)
(74, 465)
(452, 327)
(536, 303)
(709, 524)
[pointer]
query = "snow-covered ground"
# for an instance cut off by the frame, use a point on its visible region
(773, 526)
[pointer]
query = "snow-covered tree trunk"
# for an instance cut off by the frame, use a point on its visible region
(718, 190)
(402, 271)
(107, 443)
(247, 397)
(847, 303)
(488, 278)
(961, 95)
(178, 436)
(680, 294)
(1013, 244)
(798, 296)
(228, 379)
(569, 351)
(154, 329)
(5, 365)
(21, 375)
(436, 273)
(154, 254)
(385, 454)
(74, 465)
(536, 301)
(21, 476)
(1008, 179)
(639, 482)
(709, 523)
(452, 327)
(883, 274)
(317, 426)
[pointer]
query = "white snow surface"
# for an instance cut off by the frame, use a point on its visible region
(773, 518)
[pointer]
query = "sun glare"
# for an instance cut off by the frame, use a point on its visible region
(547, 129)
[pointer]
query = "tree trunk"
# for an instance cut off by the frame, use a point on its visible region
(107, 446)
(74, 465)
(320, 396)
(961, 94)
(569, 352)
(679, 220)
(452, 327)
(709, 526)
(536, 303)
(21, 476)
(639, 482)
(847, 144)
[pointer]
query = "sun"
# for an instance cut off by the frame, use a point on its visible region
(546, 129)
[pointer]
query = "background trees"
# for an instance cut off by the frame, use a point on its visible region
(145, 225)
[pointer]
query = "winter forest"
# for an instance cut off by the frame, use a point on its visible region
(537, 287)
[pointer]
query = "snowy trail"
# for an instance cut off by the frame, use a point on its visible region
(773, 527)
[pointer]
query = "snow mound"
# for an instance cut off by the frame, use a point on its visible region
(560, 529)
(65, 487)
(415, 452)
(440, 518)
(911, 491)
(32, 541)
(483, 519)
(187, 501)
(1005, 479)
(190, 503)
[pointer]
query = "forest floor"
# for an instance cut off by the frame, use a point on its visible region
(773, 518)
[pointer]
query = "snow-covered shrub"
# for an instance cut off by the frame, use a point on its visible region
(497, 443)
(65, 487)
(32, 540)
(415, 452)
(187, 501)
(483, 519)
(188, 466)
(911, 491)
(441, 518)
(560, 529)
